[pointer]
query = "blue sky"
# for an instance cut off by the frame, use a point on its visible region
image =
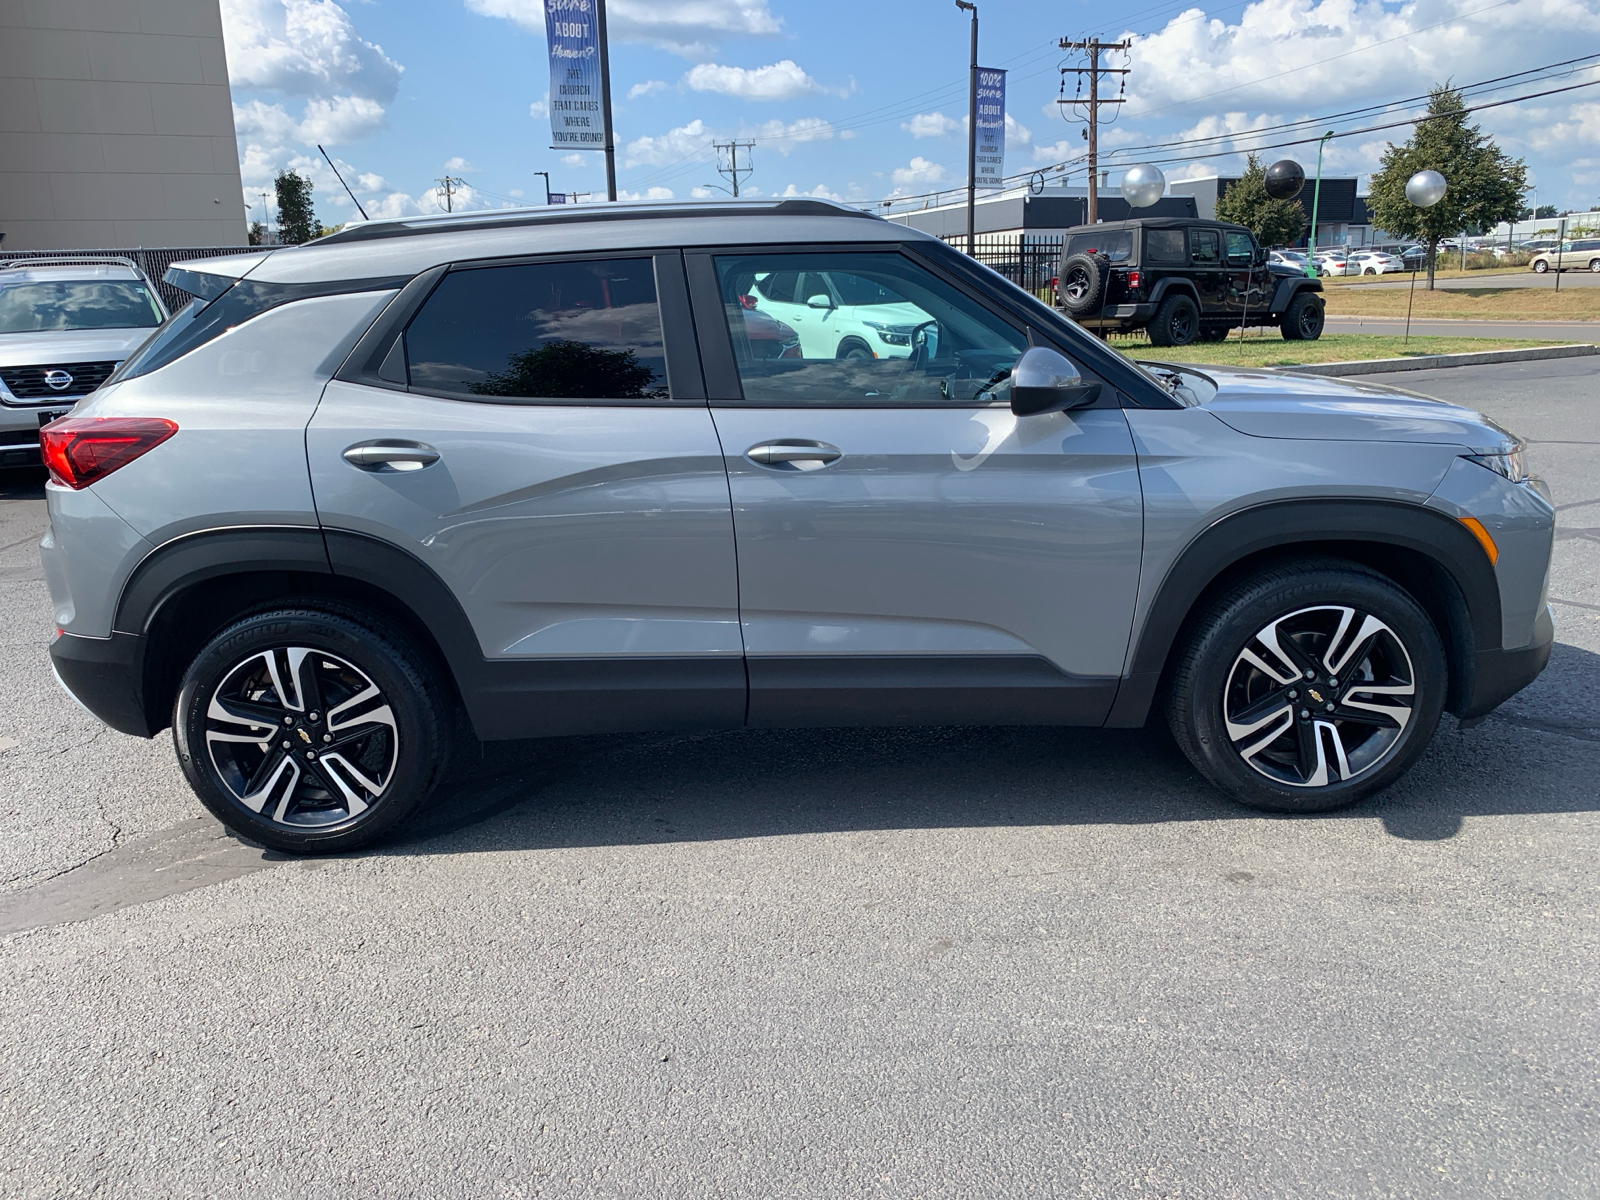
(864, 101)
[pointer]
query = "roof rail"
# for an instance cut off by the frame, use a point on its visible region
(64, 260)
(653, 211)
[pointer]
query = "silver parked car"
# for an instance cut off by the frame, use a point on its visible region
(65, 324)
(536, 468)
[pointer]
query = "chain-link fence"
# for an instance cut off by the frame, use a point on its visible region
(1030, 261)
(153, 262)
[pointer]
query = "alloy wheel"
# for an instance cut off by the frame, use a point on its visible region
(1319, 697)
(301, 737)
(1077, 285)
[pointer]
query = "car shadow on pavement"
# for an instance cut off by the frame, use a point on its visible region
(1538, 754)
(22, 483)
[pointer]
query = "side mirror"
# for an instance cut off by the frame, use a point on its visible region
(1261, 256)
(819, 301)
(1043, 381)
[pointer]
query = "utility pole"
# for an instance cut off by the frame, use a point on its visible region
(972, 130)
(448, 185)
(546, 175)
(1094, 70)
(733, 170)
(605, 101)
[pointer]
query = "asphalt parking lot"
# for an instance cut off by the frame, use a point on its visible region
(906, 963)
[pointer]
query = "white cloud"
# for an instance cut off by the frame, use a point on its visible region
(574, 160)
(456, 164)
(934, 124)
(689, 27)
(655, 193)
(540, 108)
(780, 81)
(668, 147)
(918, 172)
(304, 47)
(821, 191)
(783, 138)
(648, 88)
(701, 193)
(340, 119)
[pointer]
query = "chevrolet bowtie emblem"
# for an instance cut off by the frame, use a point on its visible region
(1315, 695)
(306, 737)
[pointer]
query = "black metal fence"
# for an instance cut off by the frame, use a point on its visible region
(153, 262)
(1030, 261)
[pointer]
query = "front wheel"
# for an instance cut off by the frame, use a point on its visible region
(310, 731)
(1308, 687)
(1540, 267)
(1304, 319)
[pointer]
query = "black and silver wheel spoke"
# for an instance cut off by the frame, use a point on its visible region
(1319, 696)
(302, 737)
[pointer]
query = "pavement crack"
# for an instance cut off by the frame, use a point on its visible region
(1572, 731)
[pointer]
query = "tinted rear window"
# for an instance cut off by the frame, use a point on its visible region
(1116, 244)
(568, 330)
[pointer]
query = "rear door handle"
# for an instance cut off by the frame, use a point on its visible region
(393, 456)
(794, 455)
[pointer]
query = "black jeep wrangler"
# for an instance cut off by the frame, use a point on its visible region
(1182, 280)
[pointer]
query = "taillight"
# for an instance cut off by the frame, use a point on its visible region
(80, 450)
(1133, 281)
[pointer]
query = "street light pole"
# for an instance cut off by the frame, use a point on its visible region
(1316, 200)
(972, 130)
(546, 175)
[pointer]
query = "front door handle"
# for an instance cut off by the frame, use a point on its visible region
(392, 456)
(794, 454)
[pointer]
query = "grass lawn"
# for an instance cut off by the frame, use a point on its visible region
(1486, 303)
(1257, 351)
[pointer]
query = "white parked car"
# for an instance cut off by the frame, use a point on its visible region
(1376, 262)
(1338, 262)
(65, 325)
(841, 316)
(1292, 258)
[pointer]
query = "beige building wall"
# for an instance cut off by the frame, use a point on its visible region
(116, 126)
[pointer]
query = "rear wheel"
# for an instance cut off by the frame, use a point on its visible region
(1176, 323)
(1303, 320)
(310, 731)
(1308, 687)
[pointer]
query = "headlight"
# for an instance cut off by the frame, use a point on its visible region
(893, 335)
(1508, 463)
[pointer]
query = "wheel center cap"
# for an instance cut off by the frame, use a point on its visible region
(1312, 692)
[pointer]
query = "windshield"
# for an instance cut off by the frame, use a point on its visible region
(98, 304)
(1116, 244)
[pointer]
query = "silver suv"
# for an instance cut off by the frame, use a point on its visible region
(538, 469)
(65, 324)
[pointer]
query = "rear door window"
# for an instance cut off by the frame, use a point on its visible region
(1203, 251)
(1165, 246)
(1241, 250)
(542, 331)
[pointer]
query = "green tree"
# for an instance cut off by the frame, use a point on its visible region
(297, 221)
(258, 233)
(1274, 222)
(1545, 212)
(1485, 187)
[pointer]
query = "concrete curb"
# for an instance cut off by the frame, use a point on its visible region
(1431, 362)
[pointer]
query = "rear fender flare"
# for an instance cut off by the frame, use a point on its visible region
(1165, 287)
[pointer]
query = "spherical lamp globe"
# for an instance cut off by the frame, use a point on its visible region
(1284, 179)
(1143, 185)
(1425, 188)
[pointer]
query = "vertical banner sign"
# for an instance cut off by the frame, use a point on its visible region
(991, 161)
(574, 37)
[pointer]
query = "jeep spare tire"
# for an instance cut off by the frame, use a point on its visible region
(1082, 282)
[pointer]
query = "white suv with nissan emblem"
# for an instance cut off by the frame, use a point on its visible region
(65, 324)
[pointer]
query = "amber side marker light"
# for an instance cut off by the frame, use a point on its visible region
(1476, 529)
(80, 450)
